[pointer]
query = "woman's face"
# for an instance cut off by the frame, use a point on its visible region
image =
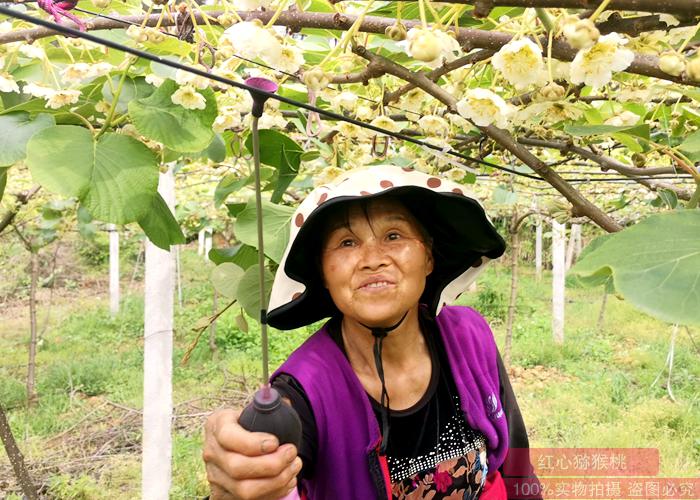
(375, 269)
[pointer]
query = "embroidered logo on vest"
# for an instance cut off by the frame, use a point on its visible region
(492, 407)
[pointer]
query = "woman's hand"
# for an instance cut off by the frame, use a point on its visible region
(244, 465)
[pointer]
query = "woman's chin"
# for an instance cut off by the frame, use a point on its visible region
(378, 318)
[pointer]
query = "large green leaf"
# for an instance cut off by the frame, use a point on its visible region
(275, 227)
(15, 131)
(225, 279)
(115, 177)
(184, 130)
(654, 264)
(3, 181)
(160, 225)
(248, 291)
(240, 254)
(281, 152)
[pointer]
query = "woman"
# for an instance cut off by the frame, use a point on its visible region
(400, 395)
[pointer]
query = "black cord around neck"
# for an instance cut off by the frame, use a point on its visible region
(379, 334)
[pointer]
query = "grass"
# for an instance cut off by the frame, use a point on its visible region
(595, 392)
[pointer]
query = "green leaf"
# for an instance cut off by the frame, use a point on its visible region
(15, 131)
(3, 181)
(160, 225)
(584, 130)
(225, 278)
(628, 141)
(504, 196)
(83, 215)
(241, 322)
(248, 292)
(229, 184)
(665, 197)
(279, 151)
(132, 89)
(216, 151)
(275, 227)
(310, 155)
(240, 254)
(235, 208)
(692, 143)
(656, 276)
(184, 130)
(114, 177)
(86, 227)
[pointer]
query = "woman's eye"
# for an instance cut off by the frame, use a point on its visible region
(393, 236)
(347, 243)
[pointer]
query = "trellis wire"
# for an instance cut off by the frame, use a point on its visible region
(330, 114)
(257, 63)
(189, 69)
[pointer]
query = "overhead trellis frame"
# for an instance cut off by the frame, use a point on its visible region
(470, 38)
(212, 76)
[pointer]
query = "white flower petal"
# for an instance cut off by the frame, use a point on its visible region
(520, 62)
(188, 98)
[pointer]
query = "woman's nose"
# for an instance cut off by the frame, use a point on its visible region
(374, 254)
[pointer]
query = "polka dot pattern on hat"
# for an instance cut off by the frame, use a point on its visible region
(357, 183)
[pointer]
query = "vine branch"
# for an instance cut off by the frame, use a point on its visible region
(582, 207)
(605, 162)
(22, 199)
(435, 75)
(646, 65)
(682, 7)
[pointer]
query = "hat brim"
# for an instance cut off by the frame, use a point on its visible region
(462, 234)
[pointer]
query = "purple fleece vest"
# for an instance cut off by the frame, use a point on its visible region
(347, 428)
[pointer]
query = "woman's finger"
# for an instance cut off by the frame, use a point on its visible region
(265, 466)
(223, 426)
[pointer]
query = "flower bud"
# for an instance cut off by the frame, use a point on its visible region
(672, 63)
(347, 100)
(581, 33)
(638, 160)
(154, 35)
(396, 32)
(316, 79)
(136, 33)
(226, 19)
(425, 46)
(552, 92)
(693, 69)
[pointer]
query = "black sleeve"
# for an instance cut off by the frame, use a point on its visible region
(518, 465)
(289, 387)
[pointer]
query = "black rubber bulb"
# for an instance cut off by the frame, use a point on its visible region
(269, 413)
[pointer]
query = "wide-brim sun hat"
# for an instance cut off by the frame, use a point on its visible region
(464, 240)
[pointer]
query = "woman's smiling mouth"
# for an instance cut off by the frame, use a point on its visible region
(377, 285)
